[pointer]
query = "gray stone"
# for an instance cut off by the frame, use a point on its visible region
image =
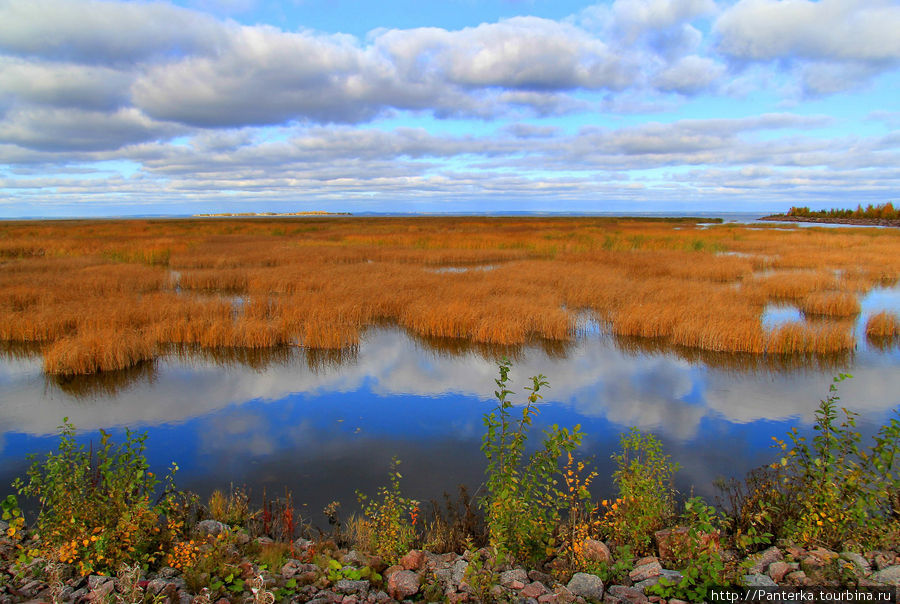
(66, 593)
(798, 577)
(354, 558)
(210, 527)
(167, 572)
(155, 586)
(402, 584)
(597, 551)
(862, 565)
(778, 570)
(888, 576)
(516, 574)
(95, 581)
(346, 586)
(882, 560)
(759, 580)
(672, 576)
(589, 587)
(534, 589)
(102, 591)
(645, 571)
(453, 574)
(536, 575)
(762, 560)
(414, 559)
(301, 544)
(31, 588)
(3, 526)
(626, 595)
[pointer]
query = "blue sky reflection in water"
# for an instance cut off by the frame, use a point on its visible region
(324, 431)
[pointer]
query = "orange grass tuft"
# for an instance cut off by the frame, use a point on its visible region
(831, 304)
(102, 350)
(883, 325)
(802, 338)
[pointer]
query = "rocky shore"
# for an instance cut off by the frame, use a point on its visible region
(852, 221)
(354, 577)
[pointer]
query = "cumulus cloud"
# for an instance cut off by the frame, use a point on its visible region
(106, 32)
(62, 84)
(828, 29)
(520, 53)
(67, 129)
(836, 44)
(689, 75)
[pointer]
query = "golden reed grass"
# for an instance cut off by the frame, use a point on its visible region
(883, 325)
(102, 295)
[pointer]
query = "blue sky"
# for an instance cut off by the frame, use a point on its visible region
(118, 108)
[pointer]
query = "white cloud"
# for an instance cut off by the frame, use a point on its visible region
(802, 29)
(106, 32)
(832, 45)
(689, 75)
(66, 129)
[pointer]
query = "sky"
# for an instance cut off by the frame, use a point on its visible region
(112, 108)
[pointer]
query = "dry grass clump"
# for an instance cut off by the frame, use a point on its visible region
(102, 350)
(831, 304)
(792, 285)
(317, 283)
(803, 338)
(883, 325)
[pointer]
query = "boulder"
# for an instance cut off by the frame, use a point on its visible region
(763, 559)
(589, 587)
(210, 527)
(888, 576)
(778, 570)
(620, 594)
(454, 573)
(403, 584)
(533, 590)
(677, 543)
(346, 586)
(645, 569)
(516, 575)
(759, 580)
(597, 551)
(413, 560)
(858, 560)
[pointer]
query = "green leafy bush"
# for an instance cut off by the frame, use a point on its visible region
(646, 499)
(389, 518)
(523, 501)
(829, 491)
(841, 492)
(96, 506)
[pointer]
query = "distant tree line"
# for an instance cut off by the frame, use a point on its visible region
(885, 211)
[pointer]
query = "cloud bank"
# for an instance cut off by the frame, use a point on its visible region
(199, 106)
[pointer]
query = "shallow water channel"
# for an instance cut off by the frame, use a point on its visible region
(326, 424)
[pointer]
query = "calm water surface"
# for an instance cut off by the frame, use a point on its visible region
(327, 424)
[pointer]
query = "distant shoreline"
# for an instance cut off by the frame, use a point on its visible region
(856, 221)
(268, 214)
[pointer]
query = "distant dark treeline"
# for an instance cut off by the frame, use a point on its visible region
(885, 211)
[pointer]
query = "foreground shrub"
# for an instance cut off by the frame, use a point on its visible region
(523, 502)
(830, 491)
(840, 491)
(646, 499)
(96, 506)
(389, 519)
